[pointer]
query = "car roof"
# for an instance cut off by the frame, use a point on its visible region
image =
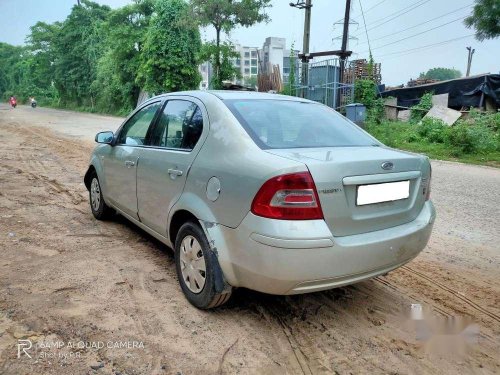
(233, 94)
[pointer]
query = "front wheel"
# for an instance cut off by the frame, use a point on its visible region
(197, 268)
(100, 209)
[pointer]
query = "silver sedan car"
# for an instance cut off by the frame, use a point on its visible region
(273, 193)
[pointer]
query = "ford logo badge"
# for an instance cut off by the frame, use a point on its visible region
(387, 165)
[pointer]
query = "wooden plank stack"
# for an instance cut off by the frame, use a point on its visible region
(270, 82)
(360, 69)
(420, 81)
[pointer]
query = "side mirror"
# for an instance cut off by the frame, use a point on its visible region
(104, 137)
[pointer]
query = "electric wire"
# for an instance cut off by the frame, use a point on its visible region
(397, 14)
(369, 9)
(366, 31)
(404, 52)
(419, 24)
(414, 35)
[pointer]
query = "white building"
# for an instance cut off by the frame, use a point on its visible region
(247, 63)
(253, 59)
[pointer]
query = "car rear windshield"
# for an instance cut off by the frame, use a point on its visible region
(294, 124)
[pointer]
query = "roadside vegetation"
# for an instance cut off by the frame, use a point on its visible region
(474, 138)
(100, 59)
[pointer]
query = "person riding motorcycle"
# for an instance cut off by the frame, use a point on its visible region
(32, 102)
(13, 101)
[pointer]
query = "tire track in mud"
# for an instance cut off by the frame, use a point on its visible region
(300, 357)
(455, 293)
(38, 169)
(394, 288)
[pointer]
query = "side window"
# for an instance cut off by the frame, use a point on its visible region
(180, 125)
(135, 130)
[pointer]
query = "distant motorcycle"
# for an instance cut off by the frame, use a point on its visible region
(33, 104)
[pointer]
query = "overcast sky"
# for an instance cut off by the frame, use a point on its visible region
(384, 30)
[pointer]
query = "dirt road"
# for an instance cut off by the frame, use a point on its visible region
(67, 278)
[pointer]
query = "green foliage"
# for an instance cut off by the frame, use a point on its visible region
(441, 74)
(125, 28)
(365, 92)
(289, 88)
(484, 19)
(224, 16)
(433, 130)
(418, 111)
(170, 55)
(225, 52)
(78, 47)
(92, 60)
(10, 58)
(475, 139)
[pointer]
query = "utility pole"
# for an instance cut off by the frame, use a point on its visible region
(345, 36)
(78, 1)
(469, 59)
(307, 5)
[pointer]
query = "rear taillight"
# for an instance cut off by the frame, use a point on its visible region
(288, 197)
(427, 189)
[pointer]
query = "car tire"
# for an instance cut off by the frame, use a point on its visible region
(197, 268)
(100, 209)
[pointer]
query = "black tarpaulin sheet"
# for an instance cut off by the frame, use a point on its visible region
(462, 92)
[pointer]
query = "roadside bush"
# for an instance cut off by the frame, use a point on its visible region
(418, 111)
(459, 137)
(376, 112)
(475, 138)
(433, 130)
(490, 120)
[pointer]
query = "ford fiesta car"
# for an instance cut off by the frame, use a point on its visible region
(273, 193)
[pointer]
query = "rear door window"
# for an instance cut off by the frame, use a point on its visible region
(294, 124)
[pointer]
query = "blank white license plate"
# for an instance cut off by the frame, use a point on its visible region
(378, 193)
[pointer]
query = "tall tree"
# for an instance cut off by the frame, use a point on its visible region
(11, 58)
(169, 59)
(441, 74)
(485, 19)
(79, 46)
(224, 56)
(224, 16)
(125, 30)
(41, 43)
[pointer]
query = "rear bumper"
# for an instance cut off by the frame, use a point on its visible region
(256, 255)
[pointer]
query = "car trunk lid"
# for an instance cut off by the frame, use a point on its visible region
(339, 171)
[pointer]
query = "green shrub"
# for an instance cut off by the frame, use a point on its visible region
(433, 130)
(458, 136)
(376, 112)
(418, 111)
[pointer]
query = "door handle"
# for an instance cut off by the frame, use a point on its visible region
(174, 172)
(129, 163)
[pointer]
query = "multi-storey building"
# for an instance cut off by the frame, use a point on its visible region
(247, 63)
(252, 60)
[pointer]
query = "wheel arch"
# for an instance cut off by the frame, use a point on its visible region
(178, 219)
(86, 179)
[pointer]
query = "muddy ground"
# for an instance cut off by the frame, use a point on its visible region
(67, 278)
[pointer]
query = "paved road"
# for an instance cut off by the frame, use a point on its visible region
(66, 277)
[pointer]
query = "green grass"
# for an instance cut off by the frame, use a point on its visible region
(479, 145)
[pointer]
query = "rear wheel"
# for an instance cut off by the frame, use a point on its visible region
(197, 266)
(100, 209)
